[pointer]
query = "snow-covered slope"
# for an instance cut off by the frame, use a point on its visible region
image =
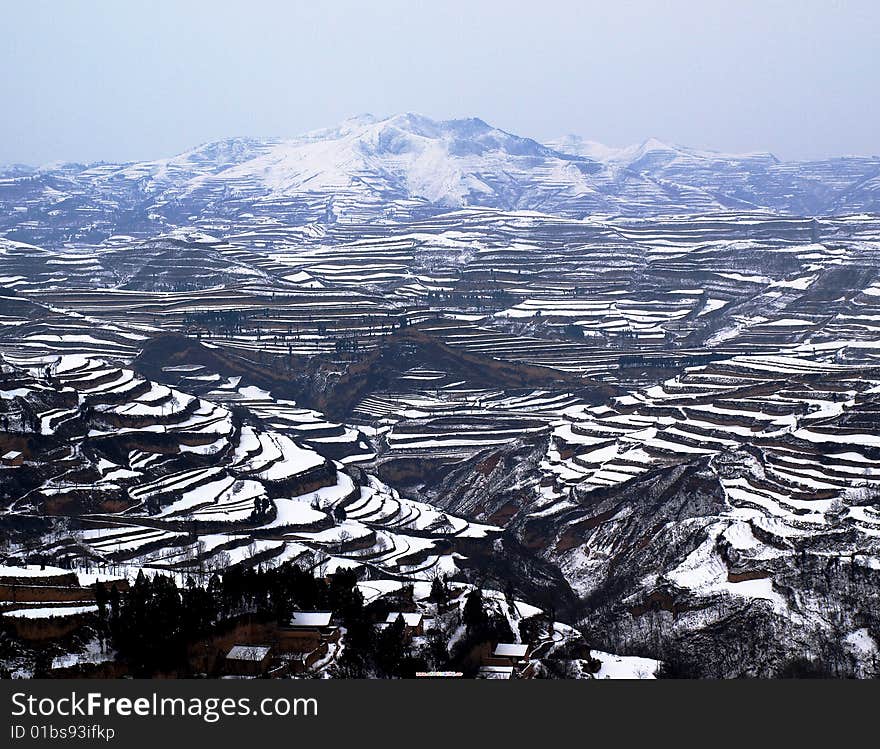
(748, 180)
(440, 161)
(208, 158)
(406, 157)
(404, 167)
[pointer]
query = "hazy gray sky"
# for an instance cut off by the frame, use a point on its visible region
(134, 80)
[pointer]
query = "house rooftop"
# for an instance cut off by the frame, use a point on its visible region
(510, 650)
(247, 653)
(410, 619)
(310, 619)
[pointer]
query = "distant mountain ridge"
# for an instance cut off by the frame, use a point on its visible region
(370, 169)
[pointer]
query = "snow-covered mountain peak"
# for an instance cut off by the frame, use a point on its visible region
(408, 155)
(655, 144)
(654, 148)
(378, 168)
(411, 131)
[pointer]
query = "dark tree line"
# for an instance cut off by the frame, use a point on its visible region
(152, 624)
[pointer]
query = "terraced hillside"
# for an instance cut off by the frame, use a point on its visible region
(739, 496)
(153, 477)
(636, 388)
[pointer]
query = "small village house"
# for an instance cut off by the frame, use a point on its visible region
(507, 654)
(247, 660)
(12, 458)
(306, 631)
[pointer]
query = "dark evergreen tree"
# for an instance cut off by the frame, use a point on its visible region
(391, 648)
(474, 612)
(439, 590)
